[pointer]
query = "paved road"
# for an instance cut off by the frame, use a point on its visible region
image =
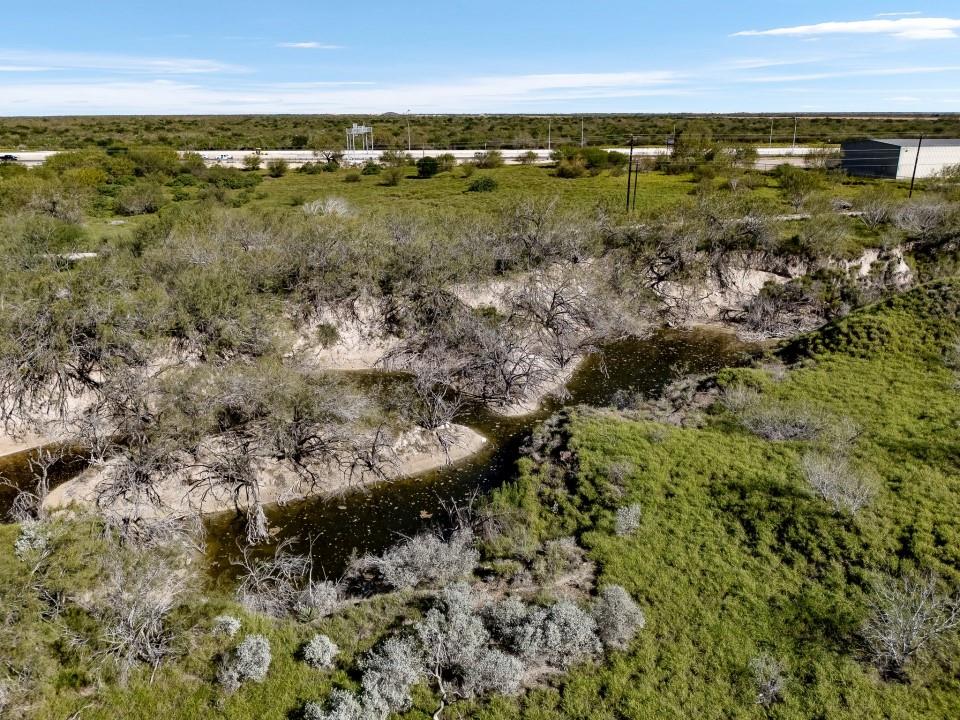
(768, 156)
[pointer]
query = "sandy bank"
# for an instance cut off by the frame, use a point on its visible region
(534, 399)
(13, 446)
(415, 452)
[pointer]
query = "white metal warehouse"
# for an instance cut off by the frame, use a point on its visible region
(898, 158)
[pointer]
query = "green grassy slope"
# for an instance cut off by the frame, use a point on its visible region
(735, 557)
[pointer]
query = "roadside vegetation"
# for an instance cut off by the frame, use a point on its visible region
(773, 540)
(446, 131)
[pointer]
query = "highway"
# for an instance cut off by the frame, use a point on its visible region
(769, 157)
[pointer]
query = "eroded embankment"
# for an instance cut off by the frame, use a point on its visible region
(362, 343)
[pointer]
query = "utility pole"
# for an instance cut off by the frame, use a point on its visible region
(794, 133)
(916, 161)
(629, 172)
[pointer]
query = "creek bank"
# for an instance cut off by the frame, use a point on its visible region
(414, 452)
(15, 445)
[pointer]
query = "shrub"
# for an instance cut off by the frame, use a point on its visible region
(528, 158)
(618, 473)
(328, 206)
(318, 599)
(425, 559)
(327, 335)
(505, 619)
(226, 625)
(140, 198)
(468, 169)
(488, 159)
(249, 661)
(446, 162)
(594, 157)
(320, 652)
(451, 632)
(770, 419)
(280, 585)
(352, 177)
(768, 679)
(427, 167)
(389, 672)
(310, 168)
(370, 168)
(797, 185)
(396, 158)
(343, 704)
(154, 161)
(628, 519)
(132, 617)
(277, 168)
(392, 176)
(908, 615)
(252, 162)
(920, 219)
(617, 159)
(823, 236)
(492, 671)
(570, 169)
(559, 557)
(617, 616)
(832, 478)
(224, 177)
(560, 635)
(32, 541)
(483, 183)
(876, 206)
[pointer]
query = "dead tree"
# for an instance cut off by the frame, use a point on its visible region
(908, 615)
(231, 465)
(28, 503)
(56, 350)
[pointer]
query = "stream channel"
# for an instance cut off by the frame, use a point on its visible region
(371, 519)
(376, 517)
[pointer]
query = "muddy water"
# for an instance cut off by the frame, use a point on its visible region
(372, 519)
(16, 474)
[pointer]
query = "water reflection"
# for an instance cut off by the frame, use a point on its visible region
(16, 474)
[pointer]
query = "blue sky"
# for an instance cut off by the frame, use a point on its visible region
(69, 57)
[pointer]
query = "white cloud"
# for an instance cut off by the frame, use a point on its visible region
(308, 45)
(51, 60)
(913, 28)
(760, 63)
(481, 94)
(868, 72)
(899, 14)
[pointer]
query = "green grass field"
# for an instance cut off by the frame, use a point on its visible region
(449, 190)
(736, 557)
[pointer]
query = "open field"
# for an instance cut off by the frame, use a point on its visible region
(694, 543)
(272, 132)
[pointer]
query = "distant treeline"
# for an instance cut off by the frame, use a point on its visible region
(326, 132)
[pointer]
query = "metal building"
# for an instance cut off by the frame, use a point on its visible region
(896, 158)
